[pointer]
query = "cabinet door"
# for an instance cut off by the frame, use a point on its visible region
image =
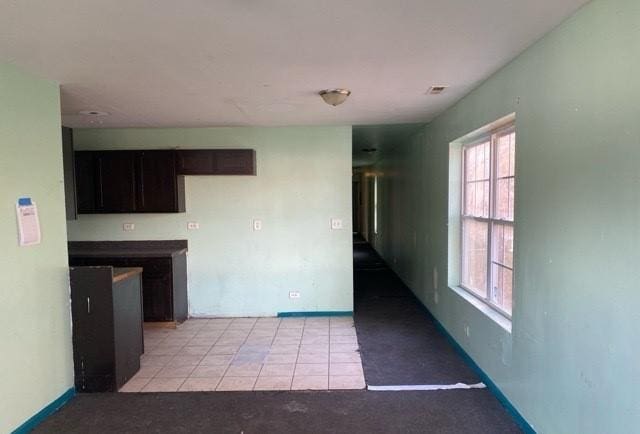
(216, 162)
(157, 289)
(115, 181)
(86, 188)
(92, 317)
(158, 184)
(195, 162)
(235, 162)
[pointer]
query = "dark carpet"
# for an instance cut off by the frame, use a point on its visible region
(399, 344)
(467, 411)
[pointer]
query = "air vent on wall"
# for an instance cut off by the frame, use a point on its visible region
(436, 90)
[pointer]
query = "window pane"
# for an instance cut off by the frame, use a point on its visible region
(477, 162)
(504, 199)
(505, 172)
(470, 163)
(502, 244)
(474, 256)
(505, 150)
(502, 287)
(476, 199)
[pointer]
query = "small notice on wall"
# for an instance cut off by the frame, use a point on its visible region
(28, 223)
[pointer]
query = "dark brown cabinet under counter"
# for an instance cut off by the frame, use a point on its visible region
(107, 326)
(164, 271)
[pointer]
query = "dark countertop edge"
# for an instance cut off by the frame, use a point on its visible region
(151, 253)
(120, 274)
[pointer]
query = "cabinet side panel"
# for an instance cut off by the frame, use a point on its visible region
(93, 339)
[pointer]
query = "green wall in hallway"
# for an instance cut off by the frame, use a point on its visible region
(304, 180)
(571, 363)
(36, 366)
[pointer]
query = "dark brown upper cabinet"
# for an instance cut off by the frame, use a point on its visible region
(160, 189)
(216, 162)
(128, 182)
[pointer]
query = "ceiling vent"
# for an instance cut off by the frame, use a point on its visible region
(436, 90)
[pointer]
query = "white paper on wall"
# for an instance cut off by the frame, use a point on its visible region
(28, 223)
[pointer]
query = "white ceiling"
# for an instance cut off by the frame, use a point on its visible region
(152, 63)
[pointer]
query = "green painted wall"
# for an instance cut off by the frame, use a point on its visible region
(36, 366)
(572, 361)
(304, 179)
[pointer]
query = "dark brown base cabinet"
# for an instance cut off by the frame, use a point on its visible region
(107, 327)
(164, 271)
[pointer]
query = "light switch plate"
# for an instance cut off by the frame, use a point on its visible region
(257, 224)
(193, 225)
(336, 224)
(128, 227)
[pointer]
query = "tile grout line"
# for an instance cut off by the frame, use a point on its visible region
(261, 364)
(235, 354)
(211, 348)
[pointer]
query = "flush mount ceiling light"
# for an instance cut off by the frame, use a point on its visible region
(92, 113)
(335, 97)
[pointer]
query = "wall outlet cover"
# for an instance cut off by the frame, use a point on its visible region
(336, 224)
(257, 224)
(128, 227)
(294, 294)
(193, 225)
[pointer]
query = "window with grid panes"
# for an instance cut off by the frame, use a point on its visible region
(487, 217)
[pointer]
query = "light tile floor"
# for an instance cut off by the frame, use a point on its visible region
(316, 353)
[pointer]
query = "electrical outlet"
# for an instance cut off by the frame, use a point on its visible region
(193, 225)
(128, 227)
(336, 224)
(294, 294)
(257, 224)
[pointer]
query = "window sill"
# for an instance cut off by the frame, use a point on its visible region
(496, 317)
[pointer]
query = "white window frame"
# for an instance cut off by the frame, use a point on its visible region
(492, 137)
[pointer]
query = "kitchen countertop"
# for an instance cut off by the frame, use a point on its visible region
(127, 249)
(120, 274)
(121, 253)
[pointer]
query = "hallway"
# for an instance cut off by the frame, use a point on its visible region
(399, 345)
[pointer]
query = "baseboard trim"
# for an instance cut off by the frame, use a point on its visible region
(40, 416)
(520, 420)
(315, 313)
